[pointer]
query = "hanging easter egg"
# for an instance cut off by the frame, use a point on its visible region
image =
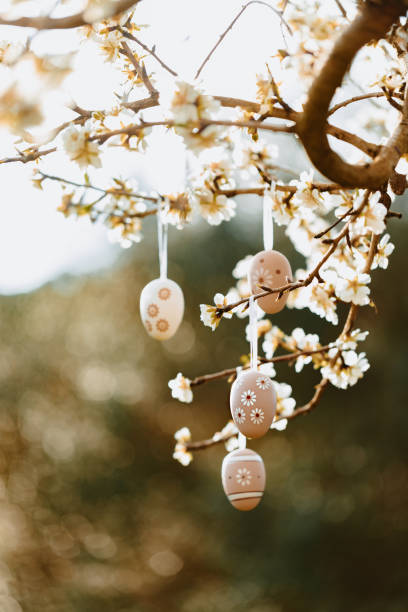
(253, 403)
(270, 269)
(243, 478)
(161, 308)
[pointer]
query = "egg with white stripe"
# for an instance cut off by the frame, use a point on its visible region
(161, 308)
(270, 269)
(243, 478)
(253, 403)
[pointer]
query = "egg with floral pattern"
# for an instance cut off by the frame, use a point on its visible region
(269, 269)
(161, 308)
(243, 478)
(253, 403)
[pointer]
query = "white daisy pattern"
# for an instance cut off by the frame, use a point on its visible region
(239, 415)
(244, 477)
(257, 416)
(248, 398)
(262, 276)
(263, 382)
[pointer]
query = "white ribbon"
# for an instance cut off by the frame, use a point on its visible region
(267, 221)
(253, 333)
(241, 438)
(241, 441)
(162, 241)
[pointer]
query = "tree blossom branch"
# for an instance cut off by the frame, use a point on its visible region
(319, 390)
(110, 191)
(200, 380)
(152, 51)
(61, 23)
(373, 23)
(291, 286)
(367, 96)
(27, 156)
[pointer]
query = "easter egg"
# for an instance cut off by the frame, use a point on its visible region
(270, 269)
(243, 478)
(161, 308)
(253, 403)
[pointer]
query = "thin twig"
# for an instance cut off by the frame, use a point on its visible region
(367, 96)
(140, 71)
(199, 380)
(24, 158)
(319, 390)
(231, 25)
(111, 191)
(151, 51)
(341, 8)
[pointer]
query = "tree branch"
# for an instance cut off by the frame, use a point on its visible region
(150, 51)
(231, 25)
(62, 23)
(313, 274)
(373, 23)
(200, 380)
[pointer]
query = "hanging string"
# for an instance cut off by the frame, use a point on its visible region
(267, 221)
(162, 229)
(241, 438)
(253, 333)
(241, 441)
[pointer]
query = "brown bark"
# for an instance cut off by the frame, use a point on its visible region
(372, 24)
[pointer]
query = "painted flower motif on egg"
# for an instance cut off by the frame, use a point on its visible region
(161, 308)
(243, 478)
(253, 403)
(269, 269)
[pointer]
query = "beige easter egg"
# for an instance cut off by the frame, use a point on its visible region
(161, 308)
(243, 478)
(270, 269)
(253, 403)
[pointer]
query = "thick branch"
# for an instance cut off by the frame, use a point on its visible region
(62, 23)
(373, 23)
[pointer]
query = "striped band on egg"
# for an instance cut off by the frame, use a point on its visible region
(235, 496)
(245, 458)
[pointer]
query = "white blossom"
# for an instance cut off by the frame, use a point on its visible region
(303, 342)
(209, 315)
(285, 405)
(180, 388)
(373, 215)
(213, 207)
(242, 267)
(384, 250)
(347, 369)
(183, 435)
(182, 455)
(79, 148)
(352, 287)
(272, 340)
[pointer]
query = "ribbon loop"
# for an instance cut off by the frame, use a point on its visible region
(267, 221)
(253, 333)
(162, 230)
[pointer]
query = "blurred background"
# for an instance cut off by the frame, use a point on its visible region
(95, 515)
